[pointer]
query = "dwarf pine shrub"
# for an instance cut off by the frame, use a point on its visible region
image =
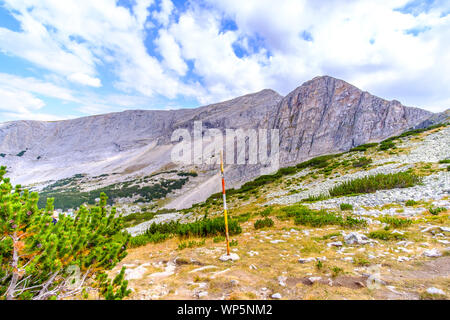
(364, 147)
(383, 234)
(396, 222)
(318, 218)
(346, 206)
(370, 184)
(263, 223)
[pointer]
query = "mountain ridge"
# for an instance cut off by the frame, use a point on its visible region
(323, 115)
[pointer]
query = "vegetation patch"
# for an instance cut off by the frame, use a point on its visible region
(362, 162)
(370, 184)
(386, 145)
(315, 198)
(436, 211)
(74, 198)
(146, 238)
(346, 206)
(411, 203)
(263, 223)
(201, 228)
(21, 153)
(364, 147)
(394, 222)
(383, 234)
(318, 218)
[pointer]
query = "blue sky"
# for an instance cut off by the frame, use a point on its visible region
(72, 58)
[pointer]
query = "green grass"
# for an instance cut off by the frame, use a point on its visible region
(370, 184)
(335, 271)
(445, 161)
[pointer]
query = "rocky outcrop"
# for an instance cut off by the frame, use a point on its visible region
(328, 115)
(324, 115)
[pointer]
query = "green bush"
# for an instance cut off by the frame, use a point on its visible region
(346, 206)
(445, 161)
(411, 203)
(266, 212)
(201, 228)
(370, 184)
(386, 145)
(244, 217)
(146, 238)
(396, 222)
(362, 162)
(436, 211)
(263, 223)
(21, 153)
(314, 198)
(363, 147)
(318, 218)
(385, 235)
(218, 239)
(36, 253)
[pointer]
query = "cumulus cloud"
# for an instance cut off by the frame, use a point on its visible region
(19, 101)
(83, 78)
(211, 50)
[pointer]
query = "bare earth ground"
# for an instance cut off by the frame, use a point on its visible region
(161, 271)
(270, 258)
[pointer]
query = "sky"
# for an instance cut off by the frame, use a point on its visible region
(73, 58)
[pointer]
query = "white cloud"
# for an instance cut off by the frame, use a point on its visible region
(83, 78)
(163, 15)
(282, 43)
(171, 53)
(29, 84)
(18, 98)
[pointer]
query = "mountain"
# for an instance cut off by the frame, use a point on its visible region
(323, 115)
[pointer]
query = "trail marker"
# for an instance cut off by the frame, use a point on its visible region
(224, 203)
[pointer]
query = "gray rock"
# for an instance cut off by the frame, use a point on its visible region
(230, 257)
(276, 296)
(432, 253)
(335, 244)
(355, 238)
(433, 290)
(301, 260)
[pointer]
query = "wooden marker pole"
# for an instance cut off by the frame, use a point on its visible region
(224, 203)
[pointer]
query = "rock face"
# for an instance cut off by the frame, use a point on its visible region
(328, 115)
(324, 115)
